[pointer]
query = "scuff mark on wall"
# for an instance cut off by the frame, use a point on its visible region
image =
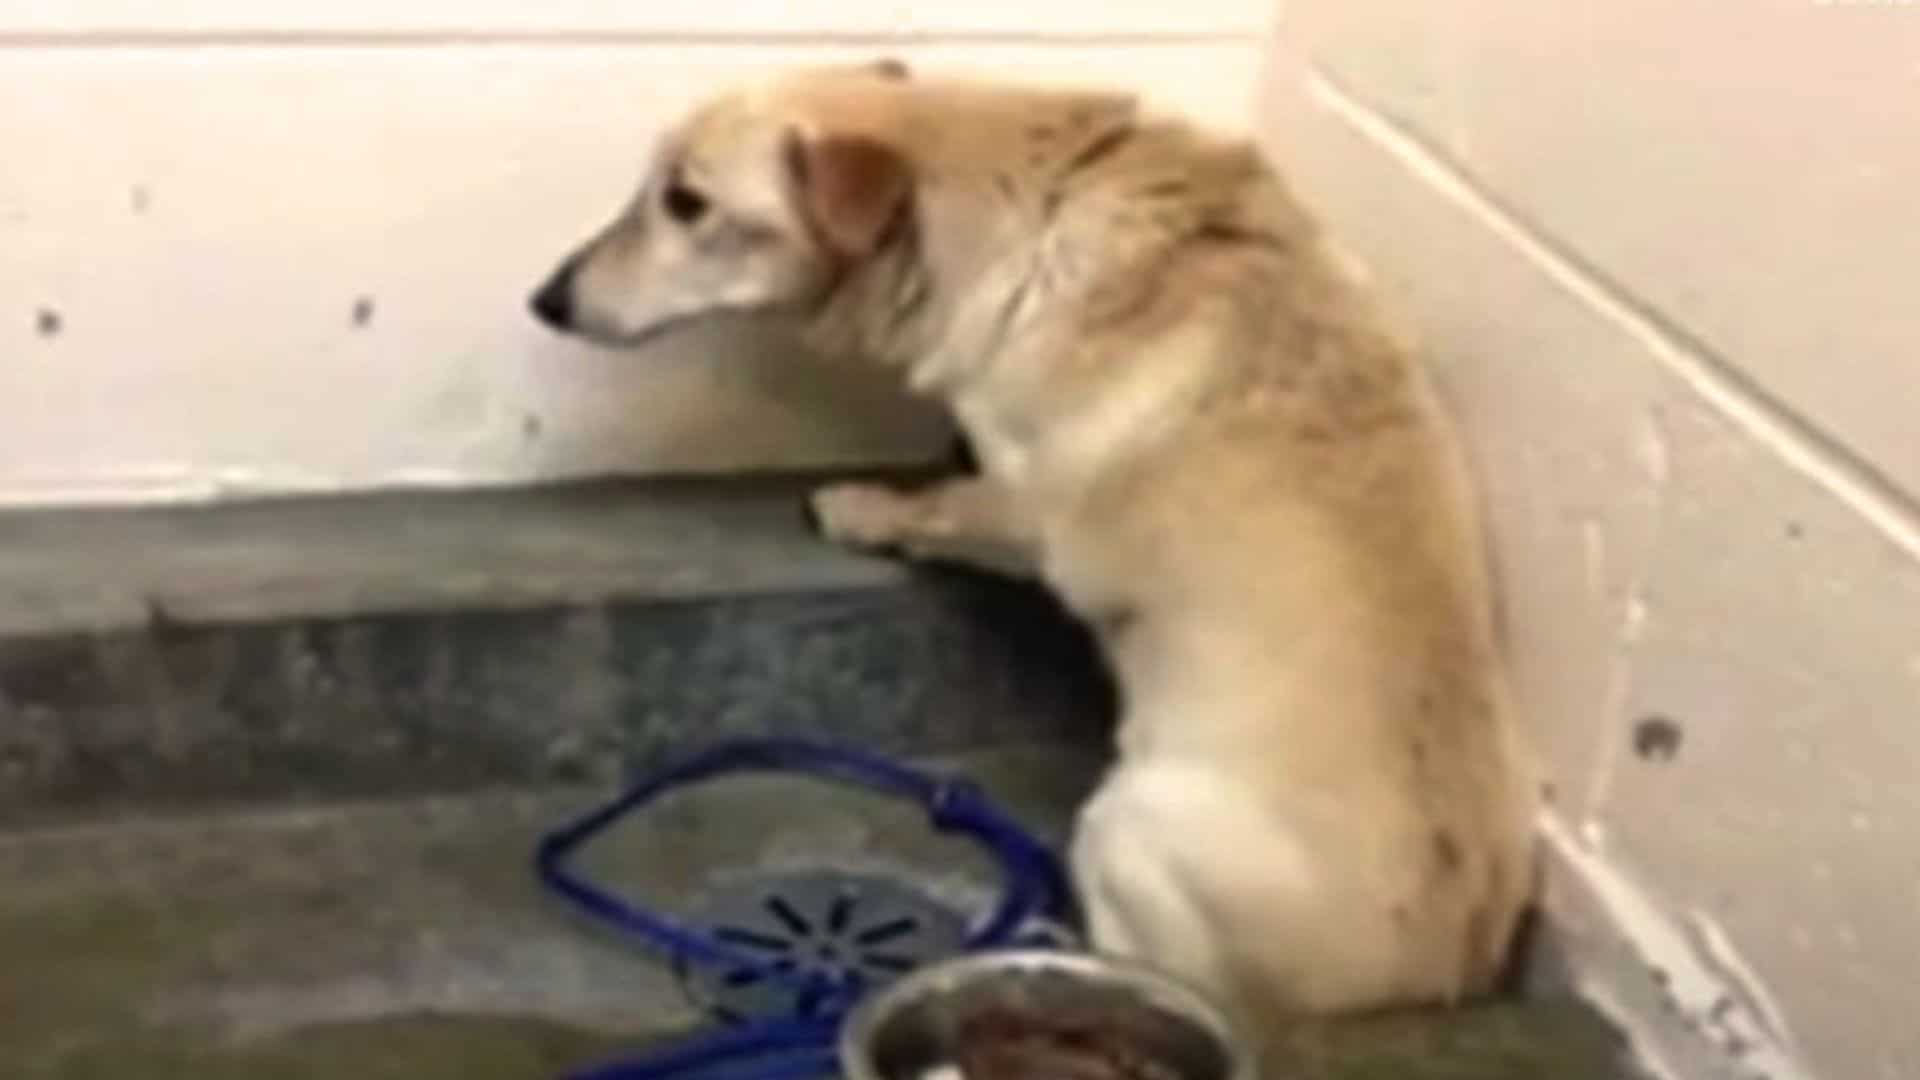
(1695, 965)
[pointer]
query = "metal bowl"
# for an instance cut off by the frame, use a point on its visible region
(911, 1028)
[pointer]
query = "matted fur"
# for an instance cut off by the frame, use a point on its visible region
(1192, 426)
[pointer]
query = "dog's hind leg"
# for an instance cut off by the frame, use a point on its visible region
(1133, 889)
(969, 520)
(1180, 870)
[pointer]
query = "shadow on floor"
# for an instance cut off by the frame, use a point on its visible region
(1541, 1040)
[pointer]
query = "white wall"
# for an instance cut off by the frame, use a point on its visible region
(1668, 258)
(281, 245)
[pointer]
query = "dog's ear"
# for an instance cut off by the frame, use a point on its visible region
(850, 187)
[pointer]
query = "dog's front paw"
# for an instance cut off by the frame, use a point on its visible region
(866, 516)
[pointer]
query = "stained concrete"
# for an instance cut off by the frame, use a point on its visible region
(237, 935)
(271, 776)
(411, 940)
(395, 646)
(102, 570)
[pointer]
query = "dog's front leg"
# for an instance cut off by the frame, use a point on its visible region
(969, 520)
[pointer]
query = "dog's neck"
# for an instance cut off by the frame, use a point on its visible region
(954, 280)
(967, 298)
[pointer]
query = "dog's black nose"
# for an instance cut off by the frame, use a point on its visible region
(553, 304)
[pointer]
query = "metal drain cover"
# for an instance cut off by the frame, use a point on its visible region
(852, 924)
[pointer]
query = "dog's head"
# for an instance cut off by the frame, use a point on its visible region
(757, 201)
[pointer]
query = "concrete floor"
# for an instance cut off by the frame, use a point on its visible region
(271, 775)
(409, 939)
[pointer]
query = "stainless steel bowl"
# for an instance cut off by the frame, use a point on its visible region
(912, 1026)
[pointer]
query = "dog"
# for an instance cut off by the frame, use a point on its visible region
(1194, 428)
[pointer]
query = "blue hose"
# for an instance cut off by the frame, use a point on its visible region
(797, 1047)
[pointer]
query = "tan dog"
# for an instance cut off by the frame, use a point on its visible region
(1193, 429)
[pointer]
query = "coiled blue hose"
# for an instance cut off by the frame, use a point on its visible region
(797, 1047)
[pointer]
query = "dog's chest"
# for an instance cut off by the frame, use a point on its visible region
(1002, 448)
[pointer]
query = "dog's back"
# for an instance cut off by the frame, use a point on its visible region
(1323, 802)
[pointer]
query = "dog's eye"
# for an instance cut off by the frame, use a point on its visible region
(682, 203)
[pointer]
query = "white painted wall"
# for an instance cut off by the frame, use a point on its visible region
(1667, 255)
(196, 198)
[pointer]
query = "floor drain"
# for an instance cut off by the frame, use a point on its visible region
(856, 924)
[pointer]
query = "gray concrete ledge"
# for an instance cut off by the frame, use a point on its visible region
(403, 645)
(110, 569)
